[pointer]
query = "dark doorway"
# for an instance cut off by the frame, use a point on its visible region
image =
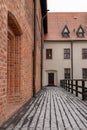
(51, 79)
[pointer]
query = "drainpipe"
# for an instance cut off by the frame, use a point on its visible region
(71, 60)
(34, 52)
(42, 31)
(41, 51)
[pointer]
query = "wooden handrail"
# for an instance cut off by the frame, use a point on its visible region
(74, 87)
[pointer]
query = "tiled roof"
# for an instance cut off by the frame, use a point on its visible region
(57, 22)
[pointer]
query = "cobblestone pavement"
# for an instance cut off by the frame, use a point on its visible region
(52, 109)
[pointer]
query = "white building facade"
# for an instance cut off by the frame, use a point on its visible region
(65, 57)
(58, 64)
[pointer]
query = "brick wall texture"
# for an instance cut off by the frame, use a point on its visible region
(16, 54)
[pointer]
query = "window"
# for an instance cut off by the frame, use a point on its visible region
(48, 53)
(67, 73)
(67, 53)
(84, 73)
(65, 32)
(80, 32)
(84, 53)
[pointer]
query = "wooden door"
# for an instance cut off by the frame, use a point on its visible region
(50, 79)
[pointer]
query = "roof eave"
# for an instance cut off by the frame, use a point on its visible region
(43, 9)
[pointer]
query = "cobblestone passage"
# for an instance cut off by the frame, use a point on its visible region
(52, 109)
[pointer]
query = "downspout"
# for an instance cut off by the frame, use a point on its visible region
(34, 52)
(42, 41)
(41, 51)
(72, 60)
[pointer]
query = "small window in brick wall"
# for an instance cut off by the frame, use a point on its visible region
(48, 53)
(84, 72)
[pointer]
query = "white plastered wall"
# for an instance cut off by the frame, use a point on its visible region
(78, 62)
(58, 63)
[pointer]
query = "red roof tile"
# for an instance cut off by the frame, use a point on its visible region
(57, 21)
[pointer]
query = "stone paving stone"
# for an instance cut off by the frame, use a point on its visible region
(52, 109)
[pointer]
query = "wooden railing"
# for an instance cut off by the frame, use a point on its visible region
(77, 87)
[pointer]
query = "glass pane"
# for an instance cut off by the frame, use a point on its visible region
(66, 34)
(80, 34)
(84, 50)
(49, 54)
(80, 30)
(65, 30)
(84, 73)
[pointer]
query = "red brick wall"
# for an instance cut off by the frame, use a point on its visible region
(3, 61)
(38, 49)
(23, 11)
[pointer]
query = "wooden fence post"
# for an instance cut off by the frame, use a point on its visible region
(71, 86)
(83, 86)
(76, 88)
(68, 86)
